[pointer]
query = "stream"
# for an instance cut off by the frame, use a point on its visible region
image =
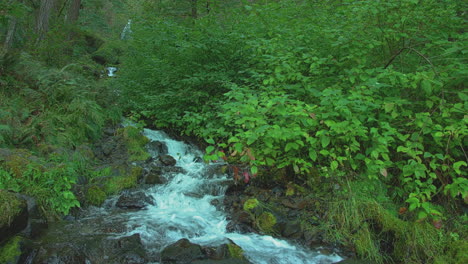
(184, 206)
(183, 209)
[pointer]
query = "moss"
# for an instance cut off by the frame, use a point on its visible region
(11, 250)
(109, 52)
(136, 171)
(95, 196)
(10, 206)
(135, 143)
(457, 253)
(235, 251)
(251, 204)
(115, 185)
(265, 222)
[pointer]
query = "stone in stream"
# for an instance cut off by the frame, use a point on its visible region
(135, 200)
(153, 175)
(157, 148)
(185, 252)
(167, 160)
(181, 252)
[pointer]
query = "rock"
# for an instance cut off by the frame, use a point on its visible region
(14, 214)
(157, 148)
(167, 160)
(292, 230)
(108, 148)
(228, 253)
(109, 131)
(36, 223)
(136, 200)
(181, 252)
(154, 176)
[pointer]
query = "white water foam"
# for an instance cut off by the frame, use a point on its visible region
(183, 209)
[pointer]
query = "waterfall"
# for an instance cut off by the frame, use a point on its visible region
(126, 31)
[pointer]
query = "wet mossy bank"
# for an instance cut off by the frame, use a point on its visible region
(61, 182)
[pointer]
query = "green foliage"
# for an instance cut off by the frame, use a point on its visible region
(110, 52)
(50, 184)
(325, 89)
(52, 106)
(363, 90)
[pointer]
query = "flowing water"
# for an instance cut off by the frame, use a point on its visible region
(183, 209)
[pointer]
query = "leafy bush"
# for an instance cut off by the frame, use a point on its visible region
(336, 89)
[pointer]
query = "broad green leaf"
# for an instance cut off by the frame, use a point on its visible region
(325, 141)
(457, 165)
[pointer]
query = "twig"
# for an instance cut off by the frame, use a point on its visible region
(461, 146)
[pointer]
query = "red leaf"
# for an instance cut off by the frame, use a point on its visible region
(246, 177)
(402, 210)
(437, 224)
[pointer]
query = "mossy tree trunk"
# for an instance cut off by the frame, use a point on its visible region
(43, 17)
(193, 4)
(74, 11)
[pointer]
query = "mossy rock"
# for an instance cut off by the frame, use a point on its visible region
(115, 185)
(135, 142)
(265, 222)
(251, 204)
(14, 214)
(235, 251)
(11, 250)
(109, 53)
(95, 196)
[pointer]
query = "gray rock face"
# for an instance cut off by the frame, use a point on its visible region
(136, 200)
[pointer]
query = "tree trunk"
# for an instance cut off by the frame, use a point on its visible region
(194, 8)
(42, 22)
(10, 33)
(74, 11)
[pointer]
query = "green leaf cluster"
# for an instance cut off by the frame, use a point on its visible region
(372, 88)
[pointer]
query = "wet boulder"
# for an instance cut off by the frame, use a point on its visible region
(89, 249)
(153, 175)
(167, 160)
(134, 200)
(181, 252)
(37, 224)
(14, 214)
(157, 148)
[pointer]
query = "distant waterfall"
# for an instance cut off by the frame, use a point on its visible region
(126, 31)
